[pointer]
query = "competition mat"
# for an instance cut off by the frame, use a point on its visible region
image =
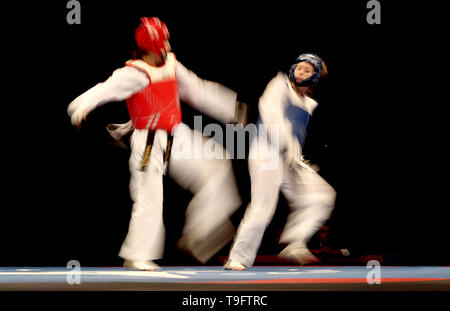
(214, 278)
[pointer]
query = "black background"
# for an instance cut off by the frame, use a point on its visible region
(375, 134)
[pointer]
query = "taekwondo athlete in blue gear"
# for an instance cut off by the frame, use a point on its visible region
(284, 106)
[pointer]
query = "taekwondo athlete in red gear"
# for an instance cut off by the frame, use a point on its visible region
(286, 105)
(153, 87)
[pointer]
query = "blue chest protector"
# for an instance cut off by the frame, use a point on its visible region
(299, 119)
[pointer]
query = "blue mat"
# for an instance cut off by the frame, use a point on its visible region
(215, 274)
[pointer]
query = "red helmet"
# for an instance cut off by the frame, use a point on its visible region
(151, 35)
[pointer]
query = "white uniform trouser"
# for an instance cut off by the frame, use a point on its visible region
(210, 180)
(310, 198)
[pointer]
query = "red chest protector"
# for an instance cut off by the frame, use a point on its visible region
(157, 106)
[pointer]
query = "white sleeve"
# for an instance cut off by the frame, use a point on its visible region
(271, 110)
(123, 83)
(210, 98)
(310, 104)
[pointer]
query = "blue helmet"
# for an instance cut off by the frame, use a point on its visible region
(315, 61)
